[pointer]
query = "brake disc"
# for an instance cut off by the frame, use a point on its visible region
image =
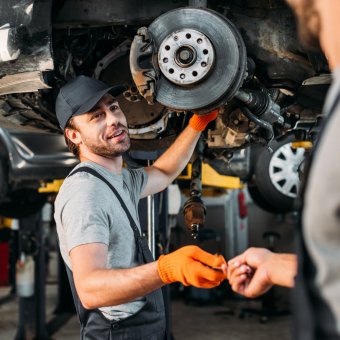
(198, 60)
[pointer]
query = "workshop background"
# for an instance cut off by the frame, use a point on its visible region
(243, 57)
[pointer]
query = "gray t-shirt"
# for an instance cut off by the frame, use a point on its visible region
(87, 211)
(321, 221)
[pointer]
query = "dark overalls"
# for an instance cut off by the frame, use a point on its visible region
(312, 317)
(146, 324)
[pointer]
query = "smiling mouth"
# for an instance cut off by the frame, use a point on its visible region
(117, 133)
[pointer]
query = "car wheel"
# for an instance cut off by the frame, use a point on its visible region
(259, 200)
(277, 179)
(22, 203)
(201, 60)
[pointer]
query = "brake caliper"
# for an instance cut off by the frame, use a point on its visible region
(143, 72)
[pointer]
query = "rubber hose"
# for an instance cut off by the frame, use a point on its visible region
(263, 124)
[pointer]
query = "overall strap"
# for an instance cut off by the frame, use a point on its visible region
(93, 324)
(115, 192)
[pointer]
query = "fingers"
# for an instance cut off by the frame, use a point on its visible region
(251, 284)
(200, 122)
(224, 268)
(239, 283)
(240, 278)
(207, 272)
(219, 261)
(235, 264)
(203, 276)
(212, 114)
(241, 270)
(237, 259)
(214, 261)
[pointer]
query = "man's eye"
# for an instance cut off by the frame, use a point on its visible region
(96, 115)
(114, 107)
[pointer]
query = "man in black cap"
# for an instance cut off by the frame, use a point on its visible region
(114, 279)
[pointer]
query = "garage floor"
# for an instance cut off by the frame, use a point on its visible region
(190, 321)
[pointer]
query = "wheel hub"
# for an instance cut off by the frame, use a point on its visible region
(185, 57)
(189, 59)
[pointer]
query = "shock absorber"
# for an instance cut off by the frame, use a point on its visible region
(194, 209)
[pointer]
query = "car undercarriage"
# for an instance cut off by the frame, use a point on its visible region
(175, 58)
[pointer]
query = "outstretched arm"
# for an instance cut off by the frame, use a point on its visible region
(170, 164)
(98, 286)
(257, 269)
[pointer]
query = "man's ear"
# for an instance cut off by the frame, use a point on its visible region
(73, 135)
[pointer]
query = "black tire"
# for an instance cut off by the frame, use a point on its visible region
(259, 200)
(22, 203)
(277, 176)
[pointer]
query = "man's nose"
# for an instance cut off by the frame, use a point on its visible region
(111, 117)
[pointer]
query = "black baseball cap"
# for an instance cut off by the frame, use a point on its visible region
(80, 95)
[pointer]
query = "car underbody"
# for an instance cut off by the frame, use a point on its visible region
(175, 58)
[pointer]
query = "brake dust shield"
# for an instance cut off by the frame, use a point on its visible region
(188, 59)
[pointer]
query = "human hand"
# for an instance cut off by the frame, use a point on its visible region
(191, 265)
(249, 273)
(200, 122)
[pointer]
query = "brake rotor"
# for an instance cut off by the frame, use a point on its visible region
(199, 59)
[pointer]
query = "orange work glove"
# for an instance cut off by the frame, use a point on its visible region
(200, 122)
(191, 265)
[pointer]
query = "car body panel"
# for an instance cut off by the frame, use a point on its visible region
(35, 155)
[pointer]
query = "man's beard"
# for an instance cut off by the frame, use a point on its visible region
(108, 150)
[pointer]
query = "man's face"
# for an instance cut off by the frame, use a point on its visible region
(103, 130)
(308, 22)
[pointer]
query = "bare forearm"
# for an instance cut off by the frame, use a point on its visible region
(282, 269)
(168, 166)
(109, 287)
(177, 156)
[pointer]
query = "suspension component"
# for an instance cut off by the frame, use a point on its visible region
(261, 105)
(194, 209)
(143, 73)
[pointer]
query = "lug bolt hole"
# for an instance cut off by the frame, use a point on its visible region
(171, 71)
(165, 60)
(182, 76)
(203, 64)
(199, 41)
(205, 51)
(188, 35)
(167, 47)
(194, 73)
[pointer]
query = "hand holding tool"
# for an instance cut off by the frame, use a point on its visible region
(191, 265)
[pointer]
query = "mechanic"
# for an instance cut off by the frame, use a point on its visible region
(317, 292)
(115, 281)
